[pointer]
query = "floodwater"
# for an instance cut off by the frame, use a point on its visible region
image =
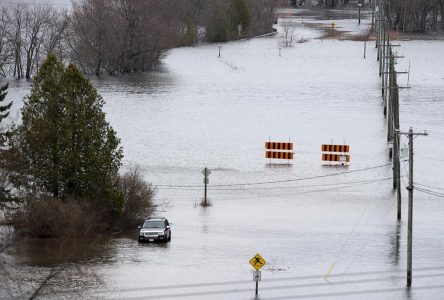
(326, 232)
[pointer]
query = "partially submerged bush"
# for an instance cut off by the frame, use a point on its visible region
(138, 198)
(50, 217)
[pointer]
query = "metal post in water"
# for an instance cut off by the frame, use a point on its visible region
(206, 182)
(365, 47)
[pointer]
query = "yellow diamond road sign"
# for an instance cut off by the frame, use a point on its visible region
(257, 262)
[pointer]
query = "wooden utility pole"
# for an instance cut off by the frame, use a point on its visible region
(410, 135)
(390, 92)
(410, 217)
(396, 143)
(396, 173)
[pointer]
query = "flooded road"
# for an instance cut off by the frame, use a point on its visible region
(305, 219)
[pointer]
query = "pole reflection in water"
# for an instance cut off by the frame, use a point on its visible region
(395, 241)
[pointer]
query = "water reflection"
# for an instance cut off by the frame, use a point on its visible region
(44, 266)
(155, 245)
(395, 244)
(135, 83)
(50, 252)
(273, 166)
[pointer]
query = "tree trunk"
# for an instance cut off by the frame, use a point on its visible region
(99, 68)
(28, 65)
(442, 14)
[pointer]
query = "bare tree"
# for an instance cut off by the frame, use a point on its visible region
(37, 20)
(16, 37)
(89, 21)
(5, 45)
(415, 15)
(117, 36)
(55, 37)
(288, 26)
(27, 34)
(122, 35)
(262, 14)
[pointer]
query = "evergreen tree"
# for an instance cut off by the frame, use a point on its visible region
(65, 146)
(5, 134)
(4, 113)
(241, 14)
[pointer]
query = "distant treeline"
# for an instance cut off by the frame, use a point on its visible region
(405, 15)
(117, 36)
(416, 15)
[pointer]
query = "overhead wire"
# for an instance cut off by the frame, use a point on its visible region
(281, 187)
(429, 186)
(344, 245)
(275, 181)
(298, 193)
(301, 186)
(391, 206)
(425, 191)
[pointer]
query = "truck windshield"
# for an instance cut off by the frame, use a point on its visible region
(153, 224)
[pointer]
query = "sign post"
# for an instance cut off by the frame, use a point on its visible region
(206, 172)
(257, 262)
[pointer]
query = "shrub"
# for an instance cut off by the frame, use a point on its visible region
(51, 217)
(138, 198)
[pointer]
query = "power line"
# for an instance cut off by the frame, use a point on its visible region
(367, 240)
(429, 186)
(340, 187)
(425, 191)
(276, 181)
(304, 186)
(308, 192)
(281, 187)
(387, 275)
(305, 178)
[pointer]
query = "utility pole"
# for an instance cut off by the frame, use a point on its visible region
(410, 135)
(410, 217)
(396, 173)
(396, 143)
